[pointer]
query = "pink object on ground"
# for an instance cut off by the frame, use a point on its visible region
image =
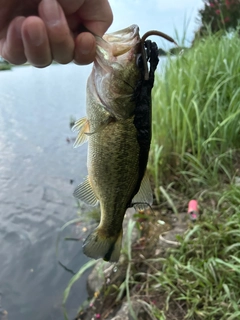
(193, 209)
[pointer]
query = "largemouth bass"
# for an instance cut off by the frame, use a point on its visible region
(118, 130)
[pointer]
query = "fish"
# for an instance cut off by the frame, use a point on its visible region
(118, 130)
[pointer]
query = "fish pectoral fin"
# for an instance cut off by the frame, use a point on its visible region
(102, 125)
(82, 126)
(144, 198)
(97, 245)
(85, 193)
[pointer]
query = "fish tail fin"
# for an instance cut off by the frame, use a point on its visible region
(98, 245)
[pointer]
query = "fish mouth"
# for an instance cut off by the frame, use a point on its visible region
(120, 47)
(122, 41)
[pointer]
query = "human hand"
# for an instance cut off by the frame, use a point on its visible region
(40, 31)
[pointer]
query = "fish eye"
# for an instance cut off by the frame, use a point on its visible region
(139, 60)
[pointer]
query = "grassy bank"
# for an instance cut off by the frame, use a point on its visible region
(194, 154)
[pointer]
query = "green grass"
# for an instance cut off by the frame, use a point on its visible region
(196, 116)
(195, 152)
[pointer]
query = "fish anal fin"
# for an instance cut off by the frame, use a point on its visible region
(85, 193)
(144, 198)
(82, 126)
(97, 245)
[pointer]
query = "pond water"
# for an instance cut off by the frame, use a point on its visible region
(37, 166)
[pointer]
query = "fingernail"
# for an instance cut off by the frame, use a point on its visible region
(36, 35)
(84, 51)
(51, 12)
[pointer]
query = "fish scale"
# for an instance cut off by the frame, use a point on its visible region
(115, 155)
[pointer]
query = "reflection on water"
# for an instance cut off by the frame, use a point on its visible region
(36, 165)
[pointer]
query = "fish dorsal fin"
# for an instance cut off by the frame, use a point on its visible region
(85, 193)
(82, 126)
(144, 198)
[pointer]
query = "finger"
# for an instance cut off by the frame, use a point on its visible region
(85, 48)
(59, 34)
(70, 6)
(35, 41)
(97, 20)
(12, 46)
(74, 23)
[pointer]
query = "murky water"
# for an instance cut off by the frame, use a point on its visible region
(36, 166)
